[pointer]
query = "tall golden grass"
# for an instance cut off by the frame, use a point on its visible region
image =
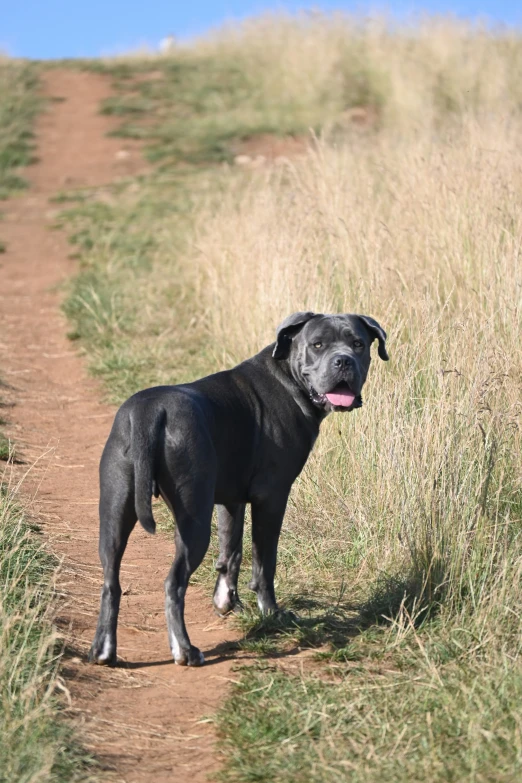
(423, 234)
(291, 71)
(413, 72)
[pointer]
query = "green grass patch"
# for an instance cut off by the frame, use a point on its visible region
(36, 742)
(401, 718)
(4, 447)
(405, 686)
(131, 305)
(194, 110)
(19, 105)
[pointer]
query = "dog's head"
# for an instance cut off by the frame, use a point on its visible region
(329, 355)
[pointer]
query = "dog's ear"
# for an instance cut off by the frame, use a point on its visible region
(378, 332)
(286, 330)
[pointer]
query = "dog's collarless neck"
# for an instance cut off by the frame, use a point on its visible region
(283, 373)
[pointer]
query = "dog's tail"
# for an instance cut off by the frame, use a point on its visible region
(145, 437)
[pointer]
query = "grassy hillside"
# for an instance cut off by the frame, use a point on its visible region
(292, 75)
(402, 543)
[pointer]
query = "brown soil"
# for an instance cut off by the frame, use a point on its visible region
(267, 148)
(142, 719)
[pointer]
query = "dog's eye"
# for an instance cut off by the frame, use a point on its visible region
(357, 344)
(318, 345)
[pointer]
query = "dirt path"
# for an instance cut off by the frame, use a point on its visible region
(143, 720)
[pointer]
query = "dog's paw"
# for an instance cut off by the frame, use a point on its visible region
(193, 657)
(103, 653)
(225, 598)
(232, 608)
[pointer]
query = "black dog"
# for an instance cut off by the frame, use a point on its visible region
(236, 437)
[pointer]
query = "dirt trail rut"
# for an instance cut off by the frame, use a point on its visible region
(144, 720)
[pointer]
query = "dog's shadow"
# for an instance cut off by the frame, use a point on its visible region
(331, 624)
(310, 623)
(221, 652)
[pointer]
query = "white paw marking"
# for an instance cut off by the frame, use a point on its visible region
(222, 594)
(174, 646)
(106, 651)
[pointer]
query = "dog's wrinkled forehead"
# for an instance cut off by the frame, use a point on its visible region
(334, 329)
(303, 329)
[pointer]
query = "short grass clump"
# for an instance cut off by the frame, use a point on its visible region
(402, 547)
(35, 742)
(422, 712)
(19, 104)
(4, 446)
(6, 450)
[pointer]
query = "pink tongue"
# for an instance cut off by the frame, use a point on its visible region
(341, 399)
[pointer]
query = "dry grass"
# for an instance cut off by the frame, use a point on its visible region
(35, 742)
(415, 73)
(425, 237)
(287, 74)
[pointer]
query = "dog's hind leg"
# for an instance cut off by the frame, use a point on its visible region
(230, 533)
(117, 519)
(192, 509)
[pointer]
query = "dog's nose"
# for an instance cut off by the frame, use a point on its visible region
(343, 362)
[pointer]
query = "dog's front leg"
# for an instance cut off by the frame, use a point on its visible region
(231, 520)
(267, 519)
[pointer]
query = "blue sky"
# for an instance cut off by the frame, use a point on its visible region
(75, 28)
